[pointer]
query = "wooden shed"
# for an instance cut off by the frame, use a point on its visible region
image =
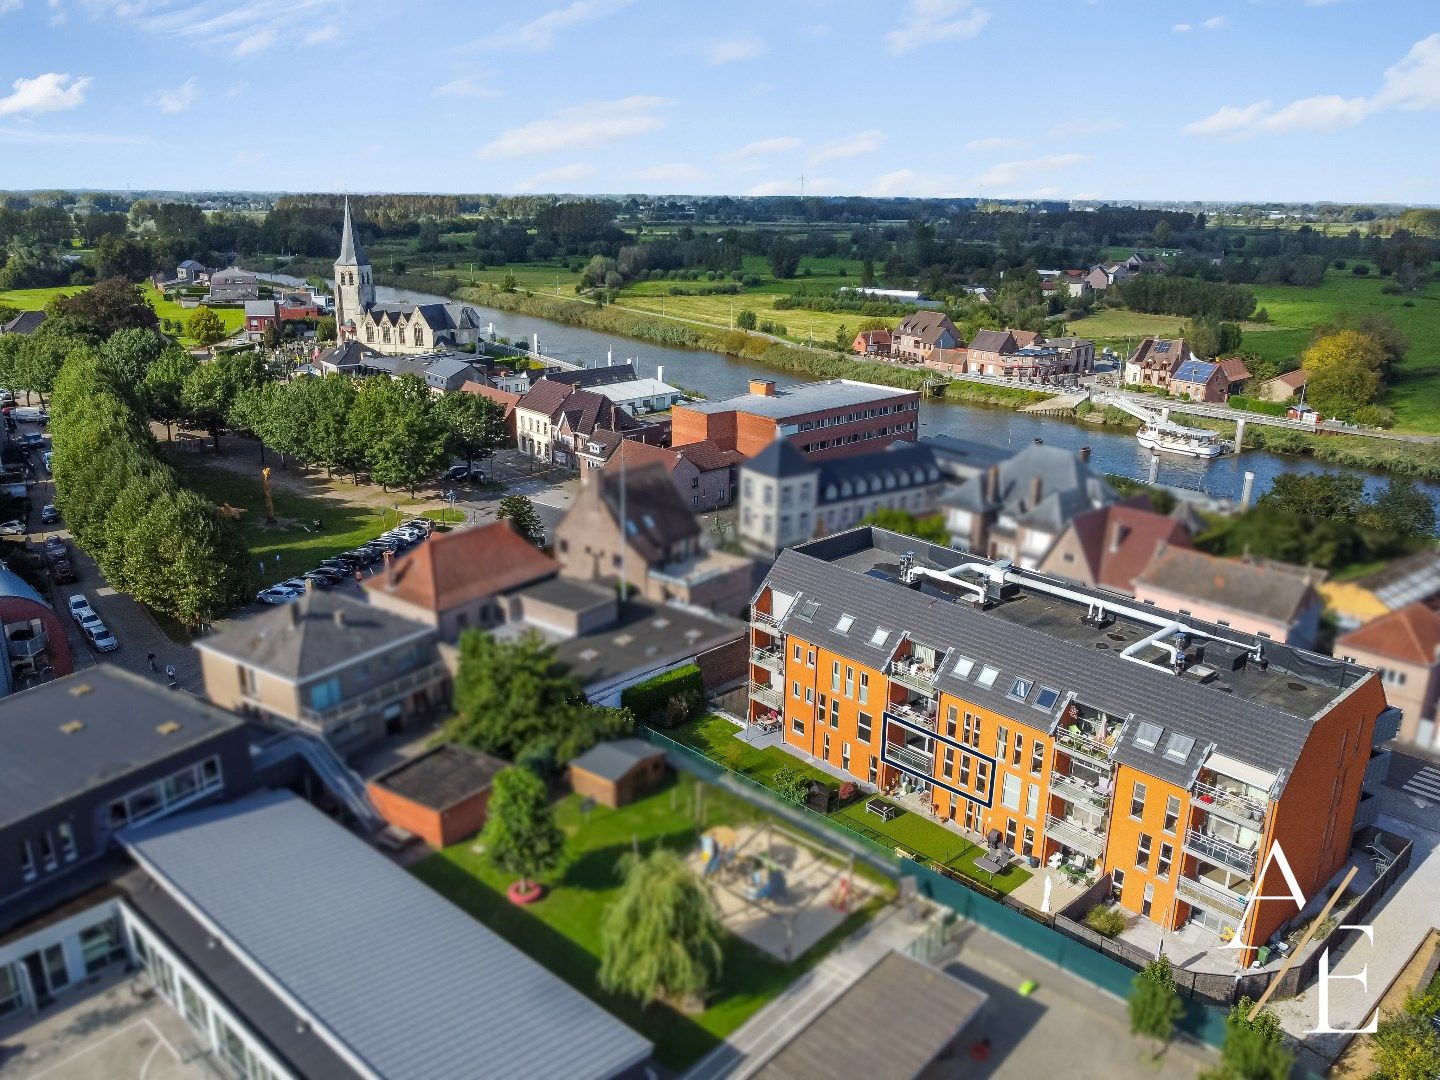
(616, 773)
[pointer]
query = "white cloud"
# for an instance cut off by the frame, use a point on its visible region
(862, 142)
(1216, 22)
(234, 90)
(51, 92)
(7, 6)
(467, 86)
(912, 183)
(731, 50)
(550, 178)
(675, 172)
(1413, 83)
(322, 34)
(997, 142)
(177, 99)
(580, 127)
(242, 26)
(761, 148)
(814, 185)
(1183, 28)
(255, 42)
(541, 32)
(928, 22)
(1085, 127)
(1009, 175)
(73, 138)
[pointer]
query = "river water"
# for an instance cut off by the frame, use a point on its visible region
(715, 376)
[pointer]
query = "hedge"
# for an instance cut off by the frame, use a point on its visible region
(647, 700)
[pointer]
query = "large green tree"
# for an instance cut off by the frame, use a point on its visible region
(1400, 509)
(394, 427)
(163, 390)
(474, 426)
(204, 326)
(1406, 1046)
(660, 937)
(1154, 1005)
(109, 305)
(1254, 1049)
(1344, 370)
(211, 389)
(129, 354)
(522, 515)
(521, 836)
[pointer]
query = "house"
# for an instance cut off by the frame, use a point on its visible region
(786, 498)
(233, 286)
(347, 672)
(440, 796)
(347, 358)
(260, 315)
(703, 474)
(1200, 380)
(1020, 354)
(638, 396)
(1284, 387)
(1021, 716)
(829, 419)
(1236, 374)
(1018, 509)
(36, 639)
(1106, 548)
(616, 773)
(923, 332)
(554, 422)
(445, 373)
(1102, 275)
(191, 272)
(587, 378)
(871, 343)
(460, 580)
(1268, 599)
(1155, 360)
(1404, 647)
(27, 322)
(295, 306)
(1400, 582)
(637, 528)
(1077, 284)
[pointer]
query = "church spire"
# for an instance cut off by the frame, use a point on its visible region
(351, 253)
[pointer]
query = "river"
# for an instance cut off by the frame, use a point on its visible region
(715, 376)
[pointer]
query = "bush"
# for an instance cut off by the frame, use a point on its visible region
(1381, 416)
(746, 320)
(1360, 269)
(1105, 921)
(792, 784)
(651, 701)
(847, 791)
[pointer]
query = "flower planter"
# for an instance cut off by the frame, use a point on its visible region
(523, 893)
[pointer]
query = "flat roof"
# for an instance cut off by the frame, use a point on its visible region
(441, 777)
(67, 736)
(634, 388)
(572, 594)
(893, 1021)
(397, 980)
(802, 398)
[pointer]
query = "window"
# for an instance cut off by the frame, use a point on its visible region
(67, 841)
(1032, 801)
(1147, 736)
(102, 945)
(1045, 700)
(798, 653)
(247, 681)
(987, 677)
(880, 636)
(864, 688)
(810, 658)
(845, 756)
(1009, 832)
(843, 626)
(47, 851)
(27, 861)
(969, 729)
(834, 712)
(949, 767)
(963, 666)
(1002, 743)
(795, 689)
(982, 776)
(849, 681)
(1178, 747)
(1028, 847)
(1117, 883)
(797, 725)
(325, 695)
(1019, 752)
(863, 727)
(874, 769)
(1020, 688)
(952, 715)
(1137, 801)
(1142, 851)
(825, 752)
(1167, 856)
(965, 770)
(809, 696)
(1037, 756)
(1172, 813)
(1010, 792)
(835, 676)
(1149, 898)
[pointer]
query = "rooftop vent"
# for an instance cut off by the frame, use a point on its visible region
(167, 728)
(71, 727)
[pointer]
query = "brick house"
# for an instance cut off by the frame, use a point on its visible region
(1154, 361)
(1200, 380)
(260, 315)
(872, 343)
(703, 474)
(1106, 548)
(1404, 646)
(918, 335)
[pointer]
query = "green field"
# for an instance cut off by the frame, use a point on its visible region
(717, 738)
(38, 299)
(35, 299)
(562, 931)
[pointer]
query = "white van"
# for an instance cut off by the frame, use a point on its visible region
(29, 414)
(46, 456)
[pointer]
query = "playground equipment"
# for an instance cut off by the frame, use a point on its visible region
(767, 882)
(717, 845)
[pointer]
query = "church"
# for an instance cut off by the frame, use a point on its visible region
(395, 330)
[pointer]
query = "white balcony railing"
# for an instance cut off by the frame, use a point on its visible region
(1074, 833)
(1242, 808)
(1220, 852)
(769, 659)
(1076, 790)
(916, 677)
(1085, 745)
(911, 758)
(767, 695)
(1210, 894)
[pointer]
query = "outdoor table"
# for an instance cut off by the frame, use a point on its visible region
(990, 865)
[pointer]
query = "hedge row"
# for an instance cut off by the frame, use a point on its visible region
(647, 701)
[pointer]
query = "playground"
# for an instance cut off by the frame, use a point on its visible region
(777, 889)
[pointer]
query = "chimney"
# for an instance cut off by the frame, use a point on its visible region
(1036, 487)
(1085, 455)
(660, 373)
(762, 387)
(294, 612)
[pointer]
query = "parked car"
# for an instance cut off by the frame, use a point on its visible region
(457, 474)
(56, 548)
(32, 439)
(276, 595)
(49, 514)
(79, 602)
(29, 414)
(62, 570)
(295, 584)
(89, 621)
(48, 457)
(364, 556)
(323, 579)
(102, 638)
(12, 528)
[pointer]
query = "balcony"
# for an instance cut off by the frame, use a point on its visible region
(910, 758)
(769, 659)
(768, 695)
(921, 713)
(1210, 894)
(1075, 834)
(1220, 852)
(1236, 806)
(763, 619)
(917, 677)
(344, 711)
(1075, 790)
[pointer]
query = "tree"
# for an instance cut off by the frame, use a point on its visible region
(514, 699)
(474, 425)
(1373, 324)
(745, 320)
(209, 391)
(107, 306)
(321, 412)
(1316, 495)
(162, 391)
(1406, 1047)
(325, 328)
(393, 426)
(660, 937)
(1254, 1049)
(204, 326)
(1154, 1004)
(129, 353)
(521, 513)
(521, 836)
(784, 258)
(1401, 509)
(1344, 372)
(273, 334)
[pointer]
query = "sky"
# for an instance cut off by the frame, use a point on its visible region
(1123, 99)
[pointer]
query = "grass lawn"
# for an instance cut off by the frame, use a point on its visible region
(716, 738)
(927, 838)
(287, 549)
(562, 931)
(233, 318)
(36, 299)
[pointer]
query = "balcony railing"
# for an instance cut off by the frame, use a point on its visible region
(1231, 804)
(911, 758)
(914, 676)
(1076, 790)
(769, 659)
(764, 618)
(344, 711)
(1086, 746)
(1210, 894)
(767, 695)
(1074, 834)
(1220, 852)
(916, 714)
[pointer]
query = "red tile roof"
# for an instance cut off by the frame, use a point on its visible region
(453, 568)
(1234, 369)
(708, 455)
(1411, 634)
(1118, 541)
(504, 397)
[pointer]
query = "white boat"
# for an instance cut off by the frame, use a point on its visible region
(1166, 437)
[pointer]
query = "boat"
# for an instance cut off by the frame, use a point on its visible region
(1166, 437)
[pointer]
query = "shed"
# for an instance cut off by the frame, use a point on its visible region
(440, 796)
(616, 773)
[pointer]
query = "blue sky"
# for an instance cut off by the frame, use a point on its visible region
(1151, 99)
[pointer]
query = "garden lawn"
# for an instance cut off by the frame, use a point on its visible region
(930, 840)
(36, 299)
(718, 739)
(562, 931)
(232, 317)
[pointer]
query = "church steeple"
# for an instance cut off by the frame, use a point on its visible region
(351, 253)
(354, 283)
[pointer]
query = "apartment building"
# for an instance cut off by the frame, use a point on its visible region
(1073, 725)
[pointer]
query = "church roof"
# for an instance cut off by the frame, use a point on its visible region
(350, 249)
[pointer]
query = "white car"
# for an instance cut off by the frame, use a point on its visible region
(276, 595)
(79, 605)
(102, 638)
(90, 622)
(12, 528)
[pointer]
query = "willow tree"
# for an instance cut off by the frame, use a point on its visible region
(661, 937)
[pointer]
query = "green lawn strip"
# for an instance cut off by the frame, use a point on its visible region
(562, 931)
(718, 739)
(36, 299)
(343, 525)
(232, 317)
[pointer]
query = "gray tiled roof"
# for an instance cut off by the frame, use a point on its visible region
(612, 760)
(899, 466)
(779, 460)
(1067, 487)
(391, 974)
